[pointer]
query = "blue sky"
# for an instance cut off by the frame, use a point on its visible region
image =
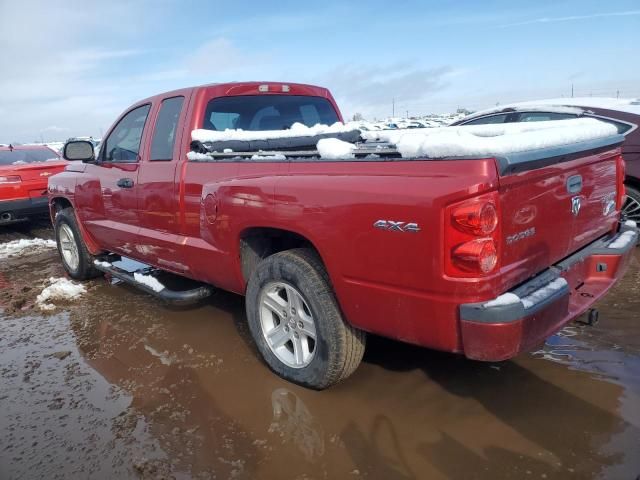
(68, 68)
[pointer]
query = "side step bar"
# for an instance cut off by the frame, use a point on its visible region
(154, 287)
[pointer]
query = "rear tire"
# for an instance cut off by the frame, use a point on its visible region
(291, 290)
(76, 259)
(631, 207)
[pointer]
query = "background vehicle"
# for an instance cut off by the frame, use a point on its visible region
(624, 113)
(418, 249)
(24, 172)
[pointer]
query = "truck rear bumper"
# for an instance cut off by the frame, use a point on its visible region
(523, 318)
(12, 211)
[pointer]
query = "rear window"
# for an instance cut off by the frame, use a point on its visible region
(267, 112)
(18, 157)
(544, 116)
(488, 120)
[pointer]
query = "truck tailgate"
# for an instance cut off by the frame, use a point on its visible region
(550, 212)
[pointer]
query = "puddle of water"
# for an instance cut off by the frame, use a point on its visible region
(149, 391)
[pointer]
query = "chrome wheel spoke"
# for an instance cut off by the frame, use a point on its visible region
(278, 336)
(631, 208)
(275, 304)
(294, 300)
(306, 326)
(298, 350)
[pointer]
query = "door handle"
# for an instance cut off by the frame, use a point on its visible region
(125, 183)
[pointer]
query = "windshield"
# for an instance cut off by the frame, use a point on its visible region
(267, 112)
(19, 157)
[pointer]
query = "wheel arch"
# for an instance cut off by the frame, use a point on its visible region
(257, 243)
(57, 204)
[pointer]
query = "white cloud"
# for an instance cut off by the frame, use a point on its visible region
(371, 90)
(572, 18)
(58, 66)
(220, 56)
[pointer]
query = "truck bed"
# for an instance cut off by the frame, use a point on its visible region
(388, 146)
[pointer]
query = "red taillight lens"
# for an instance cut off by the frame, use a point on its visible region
(621, 173)
(472, 236)
(10, 179)
(478, 218)
(477, 255)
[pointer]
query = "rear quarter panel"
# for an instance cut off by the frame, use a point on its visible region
(387, 282)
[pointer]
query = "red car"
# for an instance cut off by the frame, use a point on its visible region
(24, 172)
(476, 254)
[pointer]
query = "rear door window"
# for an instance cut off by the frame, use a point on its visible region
(164, 135)
(123, 144)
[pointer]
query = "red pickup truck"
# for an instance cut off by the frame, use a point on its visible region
(482, 255)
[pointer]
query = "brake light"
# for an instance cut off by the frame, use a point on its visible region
(472, 234)
(620, 176)
(10, 179)
(478, 218)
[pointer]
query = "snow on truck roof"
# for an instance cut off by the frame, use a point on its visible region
(493, 140)
(576, 105)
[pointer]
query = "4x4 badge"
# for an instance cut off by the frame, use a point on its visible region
(394, 226)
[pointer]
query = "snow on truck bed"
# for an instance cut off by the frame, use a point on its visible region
(458, 141)
(296, 130)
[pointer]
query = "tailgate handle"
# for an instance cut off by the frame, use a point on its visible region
(125, 183)
(574, 184)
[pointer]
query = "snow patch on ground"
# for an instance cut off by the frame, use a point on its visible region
(164, 357)
(149, 281)
(59, 289)
(18, 248)
(332, 148)
(504, 299)
(296, 130)
(544, 292)
(623, 240)
(630, 223)
(102, 264)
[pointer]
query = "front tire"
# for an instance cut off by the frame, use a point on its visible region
(296, 323)
(76, 259)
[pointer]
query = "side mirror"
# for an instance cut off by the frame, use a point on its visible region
(79, 150)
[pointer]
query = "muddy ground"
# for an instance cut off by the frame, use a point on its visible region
(116, 385)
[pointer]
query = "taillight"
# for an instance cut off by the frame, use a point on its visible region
(620, 176)
(478, 218)
(472, 234)
(476, 255)
(10, 179)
